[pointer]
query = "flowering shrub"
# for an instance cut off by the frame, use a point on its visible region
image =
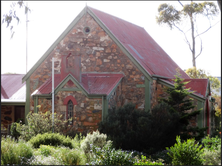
(43, 160)
(95, 138)
(212, 157)
(110, 156)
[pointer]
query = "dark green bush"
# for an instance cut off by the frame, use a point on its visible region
(15, 153)
(132, 129)
(186, 153)
(162, 155)
(53, 139)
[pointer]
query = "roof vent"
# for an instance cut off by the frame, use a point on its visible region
(86, 30)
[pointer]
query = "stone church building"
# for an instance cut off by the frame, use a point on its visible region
(102, 61)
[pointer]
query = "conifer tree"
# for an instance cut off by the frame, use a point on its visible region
(180, 102)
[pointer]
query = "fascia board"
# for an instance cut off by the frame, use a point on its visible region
(121, 46)
(65, 80)
(172, 86)
(51, 48)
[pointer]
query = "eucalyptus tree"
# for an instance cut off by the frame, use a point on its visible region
(9, 17)
(172, 17)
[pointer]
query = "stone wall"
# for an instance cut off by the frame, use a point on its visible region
(94, 52)
(7, 115)
(87, 112)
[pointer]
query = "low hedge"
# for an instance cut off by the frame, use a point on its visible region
(53, 139)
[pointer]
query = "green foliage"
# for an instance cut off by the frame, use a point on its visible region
(186, 153)
(11, 15)
(168, 15)
(144, 161)
(71, 156)
(142, 131)
(201, 73)
(211, 143)
(60, 155)
(78, 140)
(43, 160)
(179, 102)
(15, 153)
(45, 150)
(13, 130)
(39, 123)
(212, 157)
(95, 138)
(162, 155)
(110, 156)
(174, 18)
(53, 139)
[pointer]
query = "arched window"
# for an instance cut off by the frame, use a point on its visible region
(70, 111)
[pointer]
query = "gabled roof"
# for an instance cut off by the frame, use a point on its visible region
(197, 86)
(12, 87)
(100, 83)
(132, 39)
(140, 45)
(92, 83)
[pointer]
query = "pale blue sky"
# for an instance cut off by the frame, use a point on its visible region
(49, 19)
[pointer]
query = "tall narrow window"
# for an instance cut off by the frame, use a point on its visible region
(70, 111)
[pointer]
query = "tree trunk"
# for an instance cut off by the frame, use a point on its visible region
(193, 41)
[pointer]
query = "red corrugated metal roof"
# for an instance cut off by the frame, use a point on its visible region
(46, 88)
(198, 86)
(100, 83)
(10, 84)
(141, 45)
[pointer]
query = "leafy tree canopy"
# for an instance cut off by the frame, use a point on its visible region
(12, 15)
(174, 18)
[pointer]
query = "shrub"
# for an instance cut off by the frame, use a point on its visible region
(40, 123)
(15, 153)
(53, 139)
(95, 138)
(43, 160)
(45, 150)
(186, 153)
(211, 143)
(162, 155)
(110, 156)
(71, 156)
(13, 130)
(212, 157)
(144, 161)
(78, 140)
(142, 131)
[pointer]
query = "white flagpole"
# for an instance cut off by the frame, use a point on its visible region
(53, 95)
(27, 39)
